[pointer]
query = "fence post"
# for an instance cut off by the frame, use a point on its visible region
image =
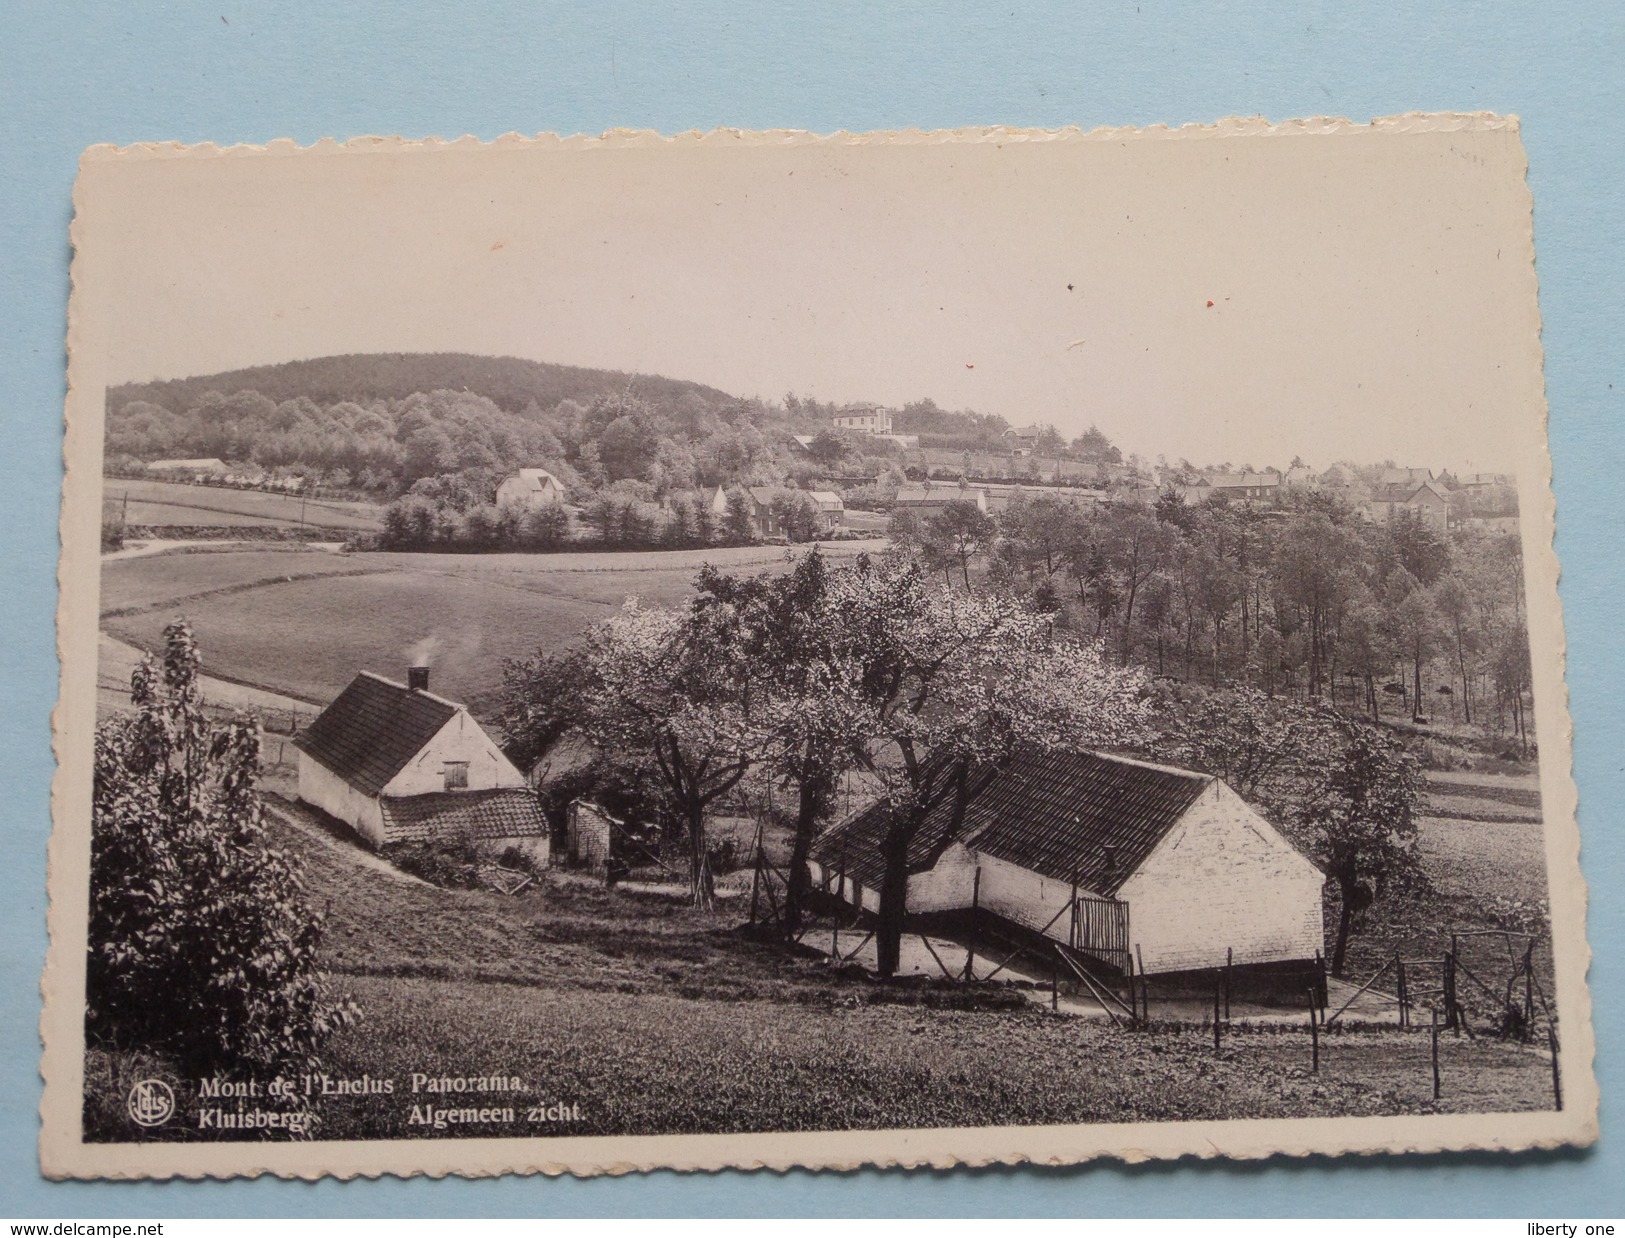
(1229, 964)
(1404, 1003)
(1314, 1037)
(1455, 953)
(1450, 993)
(1145, 992)
(1055, 984)
(1434, 1032)
(1217, 981)
(1133, 995)
(1529, 992)
(1557, 1079)
(755, 880)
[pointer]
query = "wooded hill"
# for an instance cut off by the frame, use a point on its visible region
(511, 383)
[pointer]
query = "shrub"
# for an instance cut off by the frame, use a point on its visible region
(202, 943)
(450, 864)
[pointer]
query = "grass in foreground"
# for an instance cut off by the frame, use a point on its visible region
(652, 1018)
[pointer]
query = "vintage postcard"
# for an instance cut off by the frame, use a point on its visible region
(762, 649)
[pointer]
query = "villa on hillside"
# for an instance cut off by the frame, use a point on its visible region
(864, 419)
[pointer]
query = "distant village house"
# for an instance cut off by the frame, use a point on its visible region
(930, 499)
(1246, 486)
(830, 509)
(530, 489)
(1428, 502)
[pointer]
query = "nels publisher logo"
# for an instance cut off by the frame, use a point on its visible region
(151, 1103)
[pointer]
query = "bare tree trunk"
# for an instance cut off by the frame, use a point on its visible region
(704, 885)
(815, 794)
(893, 898)
(1345, 918)
(1416, 711)
(1128, 622)
(1466, 689)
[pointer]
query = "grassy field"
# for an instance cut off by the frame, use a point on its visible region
(167, 502)
(1480, 863)
(652, 1017)
(303, 622)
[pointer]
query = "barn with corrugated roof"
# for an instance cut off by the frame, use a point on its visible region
(1108, 855)
(399, 764)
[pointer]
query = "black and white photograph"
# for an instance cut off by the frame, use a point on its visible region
(760, 649)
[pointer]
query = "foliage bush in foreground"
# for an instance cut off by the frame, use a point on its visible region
(202, 941)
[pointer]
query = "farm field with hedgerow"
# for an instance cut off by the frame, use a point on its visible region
(302, 622)
(652, 1017)
(176, 503)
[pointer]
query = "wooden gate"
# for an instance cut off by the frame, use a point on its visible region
(1100, 929)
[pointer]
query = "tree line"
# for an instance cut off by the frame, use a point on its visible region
(1308, 600)
(444, 514)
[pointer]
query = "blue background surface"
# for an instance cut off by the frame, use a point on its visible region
(75, 73)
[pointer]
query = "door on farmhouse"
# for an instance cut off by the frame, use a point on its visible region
(1100, 929)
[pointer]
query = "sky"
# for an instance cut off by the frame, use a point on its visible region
(1361, 295)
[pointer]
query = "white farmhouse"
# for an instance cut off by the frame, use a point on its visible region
(530, 489)
(398, 764)
(1110, 856)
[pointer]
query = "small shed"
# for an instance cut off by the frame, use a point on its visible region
(1108, 855)
(398, 764)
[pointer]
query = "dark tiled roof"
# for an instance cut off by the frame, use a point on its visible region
(372, 729)
(1067, 815)
(504, 812)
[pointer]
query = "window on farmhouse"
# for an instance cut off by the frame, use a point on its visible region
(456, 775)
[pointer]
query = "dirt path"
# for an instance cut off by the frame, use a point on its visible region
(352, 852)
(140, 550)
(157, 546)
(115, 661)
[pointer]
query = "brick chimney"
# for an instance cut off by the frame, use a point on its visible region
(417, 678)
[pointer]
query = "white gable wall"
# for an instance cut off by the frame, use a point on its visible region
(461, 739)
(1223, 878)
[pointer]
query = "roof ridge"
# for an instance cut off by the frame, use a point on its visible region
(1160, 768)
(395, 683)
